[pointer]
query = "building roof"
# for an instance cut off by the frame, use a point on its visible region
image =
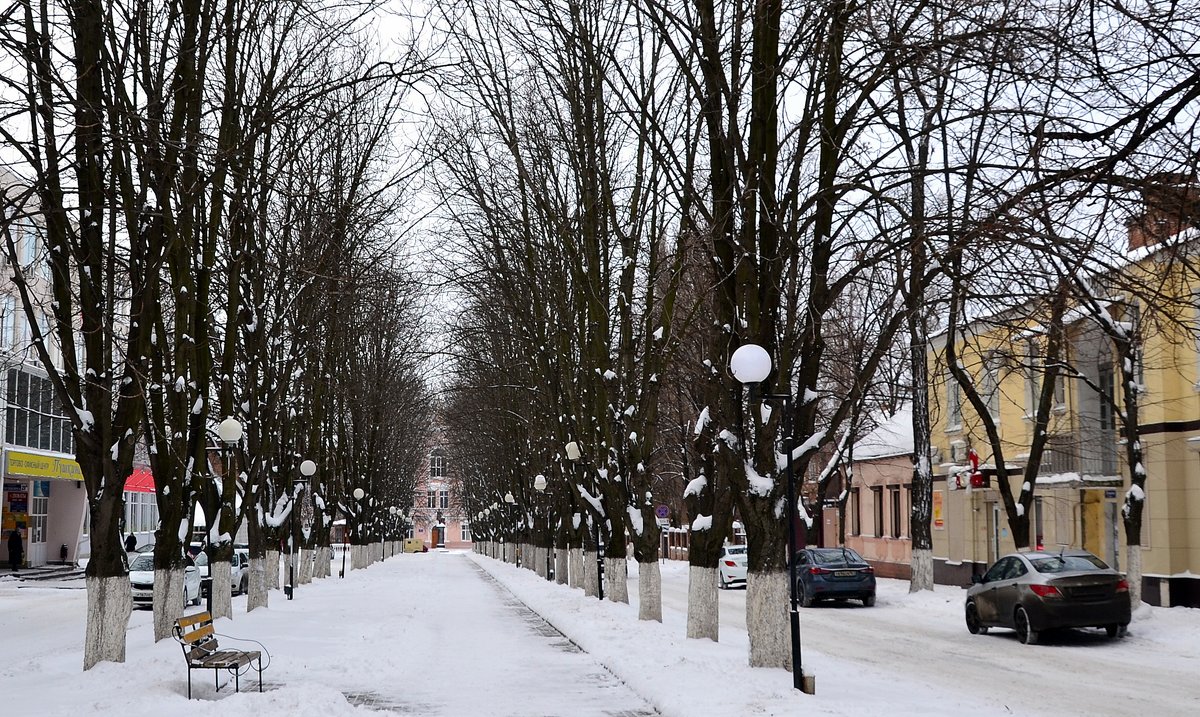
(892, 437)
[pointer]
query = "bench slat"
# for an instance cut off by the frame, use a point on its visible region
(198, 634)
(226, 658)
(188, 620)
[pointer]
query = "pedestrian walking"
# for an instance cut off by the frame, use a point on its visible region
(131, 543)
(15, 548)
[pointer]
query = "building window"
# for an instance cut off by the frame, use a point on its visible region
(855, 513)
(437, 465)
(991, 386)
(466, 532)
(953, 404)
(443, 499)
(1033, 377)
(8, 307)
(894, 495)
(1139, 365)
(34, 418)
(877, 499)
(431, 498)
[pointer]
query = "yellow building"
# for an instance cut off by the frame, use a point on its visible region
(1083, 477)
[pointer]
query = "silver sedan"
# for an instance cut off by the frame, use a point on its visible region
(1037, 591)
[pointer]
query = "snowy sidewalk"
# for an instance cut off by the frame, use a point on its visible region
(429, 634)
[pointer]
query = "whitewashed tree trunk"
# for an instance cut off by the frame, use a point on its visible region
(271, 569)
(767, 619)
(562, 569)
(110, 601)
(168, 601)
(616, 580)
(321, 563)
(703, 606)
(259, 591)
(591, 574)
(539, 562)
(222, 597)
(922, 571)
(575, 568)
(649, 591)
(304, 557)
(1133, 574)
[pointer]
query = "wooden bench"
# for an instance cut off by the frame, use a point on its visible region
(195, 634)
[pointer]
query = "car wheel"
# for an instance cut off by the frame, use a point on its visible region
(721, 584)
(974, 625)
(1115, 631)
(805, 599)
(1025, 631)
(869, 601)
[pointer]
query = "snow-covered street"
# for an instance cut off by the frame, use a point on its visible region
(458, 634)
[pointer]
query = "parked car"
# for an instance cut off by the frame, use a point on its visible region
(141, 580)
(239, 571)
(731, 566)
(833, 573)
(1038, 591)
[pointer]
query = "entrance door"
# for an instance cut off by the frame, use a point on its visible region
(38, 508)
(1112, 535)
(994, 517)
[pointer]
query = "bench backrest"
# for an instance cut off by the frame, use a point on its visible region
(195, 634)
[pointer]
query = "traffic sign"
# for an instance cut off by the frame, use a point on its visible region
(661, 511)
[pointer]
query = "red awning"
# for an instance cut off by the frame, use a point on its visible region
(140, 481)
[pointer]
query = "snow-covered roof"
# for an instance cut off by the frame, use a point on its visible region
(892, 437)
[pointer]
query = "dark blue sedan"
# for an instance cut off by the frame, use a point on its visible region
(833, 574)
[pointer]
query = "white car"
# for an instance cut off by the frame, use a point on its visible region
(731, 566)
(141, 579)
(239, 571)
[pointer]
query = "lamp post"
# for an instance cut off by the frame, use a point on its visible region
(750, 365)
(514, 510)
(358, 496)
(307, 469)
(230, 432)
(393, 510)
(575, 454)
(539, 484)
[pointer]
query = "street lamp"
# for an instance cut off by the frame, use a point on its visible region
(394, 529)
(508, 498)
(539, 484)
(358, 496)
(750, 365)
(230, 432)
(575, 453)
(307, 469)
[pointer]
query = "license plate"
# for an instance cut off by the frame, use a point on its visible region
(844, 573)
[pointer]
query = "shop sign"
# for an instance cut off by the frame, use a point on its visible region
(939, 520)
(18, 501)
(33, 464)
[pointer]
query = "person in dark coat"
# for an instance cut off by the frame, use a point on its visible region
(131, 543)
(15, 548)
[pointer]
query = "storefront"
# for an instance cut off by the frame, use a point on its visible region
(43, 498)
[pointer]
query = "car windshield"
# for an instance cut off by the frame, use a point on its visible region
(144, 563)
(735, 550)
(827, 556)
(1066, 563)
